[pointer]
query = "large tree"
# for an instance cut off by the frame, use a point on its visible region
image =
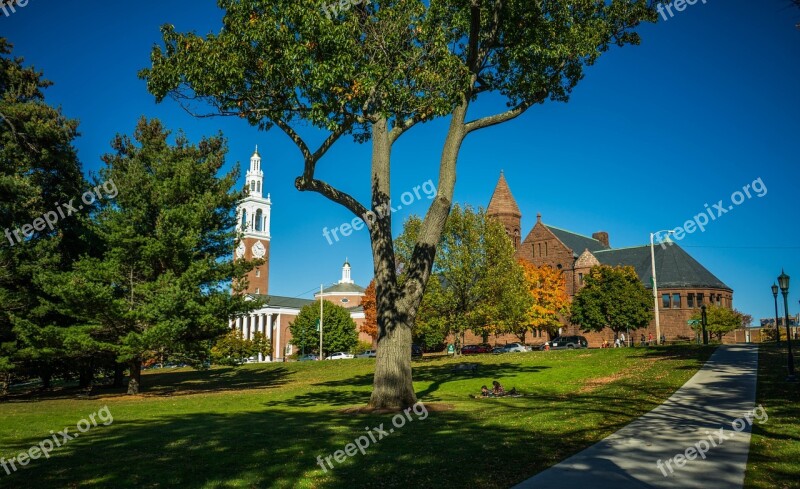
(162, 284)
(612, 297)
(39, 174)
(338, 329)
(374, 72)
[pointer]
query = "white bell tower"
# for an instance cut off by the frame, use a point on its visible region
(253, 221)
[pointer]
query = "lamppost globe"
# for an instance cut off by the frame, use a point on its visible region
(783, 281)
(775, 290)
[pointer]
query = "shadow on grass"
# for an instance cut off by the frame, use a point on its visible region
(278, 447)
(167, 382)
(483, 443)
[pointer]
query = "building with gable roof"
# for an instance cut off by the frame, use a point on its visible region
(683, 283)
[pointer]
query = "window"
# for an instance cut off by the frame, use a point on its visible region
(558, 266)
(699, 300)
(719, 299)
(258, 291)
(545, 248)
(258, 187)
(252, 186)
(345, 300)
(244, 219)
(580, 278)
(690, 300)
(258, 272)
(259, 220)
(540, 250)
(676, 301)
(665, 301)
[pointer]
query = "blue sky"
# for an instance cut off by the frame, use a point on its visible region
(709, 103)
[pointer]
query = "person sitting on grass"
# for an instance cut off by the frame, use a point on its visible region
(497, 389)
(485, 391)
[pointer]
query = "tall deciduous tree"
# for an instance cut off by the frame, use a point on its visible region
(162, 283)
(374, 72)
(612, 297)
(548, 289)
(338, 329)
(474, 272)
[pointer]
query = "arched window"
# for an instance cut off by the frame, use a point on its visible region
(259, 221)
(244, 219)
(258, 186)
(252, 186)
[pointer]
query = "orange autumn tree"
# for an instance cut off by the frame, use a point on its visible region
(369, 303)
(548, 287)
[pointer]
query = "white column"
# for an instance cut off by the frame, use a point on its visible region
(253, 326)
(269, 336)
(238, 323)
(261, 330)
(278, 345)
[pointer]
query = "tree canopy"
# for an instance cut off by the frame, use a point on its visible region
(374, 72)
(612, 297)
(338, 329)
(721, 320)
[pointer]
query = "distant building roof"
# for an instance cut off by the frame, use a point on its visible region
(577, 242)
(283, 302)
(674, 267)
(502, 202)
(346, 288)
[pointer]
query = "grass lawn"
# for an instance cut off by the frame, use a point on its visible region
(774, 461)
(264, 425)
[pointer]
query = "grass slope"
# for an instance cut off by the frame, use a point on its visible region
(264, 425)
(774, 461)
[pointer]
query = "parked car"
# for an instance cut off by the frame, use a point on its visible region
(367, 354)
(498, 349)
(474, 349)
(416, 351)
(568, 342)
(308, 358)
(515, 347)
(339, 355)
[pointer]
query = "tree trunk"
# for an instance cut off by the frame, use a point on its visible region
(85, 376)
(119, 374)
(136, 377)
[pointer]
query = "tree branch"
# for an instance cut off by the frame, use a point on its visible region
(492, 120)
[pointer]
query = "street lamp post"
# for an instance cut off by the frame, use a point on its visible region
(783, 281)
(655, 283)
(777, 328)
(704, 323)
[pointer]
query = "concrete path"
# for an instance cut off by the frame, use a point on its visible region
(721, 392)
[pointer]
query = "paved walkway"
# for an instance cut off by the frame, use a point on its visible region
(720, 393)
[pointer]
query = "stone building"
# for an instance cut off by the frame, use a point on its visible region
(683, 283)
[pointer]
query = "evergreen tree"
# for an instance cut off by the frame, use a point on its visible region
(162, 285)
(39, 175)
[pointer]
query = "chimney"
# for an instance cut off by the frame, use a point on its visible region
(602, 237)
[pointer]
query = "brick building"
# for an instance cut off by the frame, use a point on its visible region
(274, 318)
(683, 283)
